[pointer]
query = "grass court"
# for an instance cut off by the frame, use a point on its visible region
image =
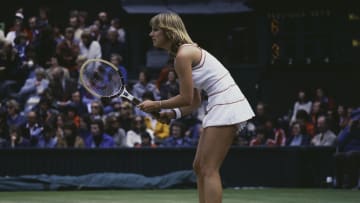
(249, 195)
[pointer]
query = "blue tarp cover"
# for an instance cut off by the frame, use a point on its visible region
(97, 181)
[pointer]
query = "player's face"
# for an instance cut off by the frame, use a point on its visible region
(158, 38)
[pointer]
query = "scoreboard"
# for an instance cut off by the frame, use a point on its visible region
(316, 37)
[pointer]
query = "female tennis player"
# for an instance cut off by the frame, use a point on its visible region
(227, 110)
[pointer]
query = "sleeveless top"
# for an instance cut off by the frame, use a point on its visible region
(211, 76)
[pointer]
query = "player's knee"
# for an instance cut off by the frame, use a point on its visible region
(196, 167)
(203, 170)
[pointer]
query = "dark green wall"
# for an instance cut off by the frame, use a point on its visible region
(248, 166)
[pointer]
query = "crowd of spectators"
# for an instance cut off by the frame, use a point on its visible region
(311, 121)
(44, 105)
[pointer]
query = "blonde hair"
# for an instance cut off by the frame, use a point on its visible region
(173, 28)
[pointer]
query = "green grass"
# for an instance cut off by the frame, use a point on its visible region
(184, 196)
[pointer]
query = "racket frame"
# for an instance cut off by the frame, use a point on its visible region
(122, 92)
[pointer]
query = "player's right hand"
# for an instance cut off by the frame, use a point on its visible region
(166, 116)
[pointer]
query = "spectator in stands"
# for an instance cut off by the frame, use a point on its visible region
(126, 115)
(304, 119)
(138, 126)
(104, 23)
(61, 87)
(67, 52)
(347, 158)
(298, 135)
(9, 69)
(117, 60)
(14, 116)
(21, 44)
(74, 22)
(70, 137)
(111, 45)
(95, 31)
(177, 136)
(112, 106)
(97, 110)
(275, 135)
(58, 35)
(32, 31)
(45, 47)
(114, 129)
(76, 101)
(144, 84)
(325, 136)
(72, 114)
(58, 123)
(246, 135)
(241, 140)
(45, 110)
(30, 63)
(259, 138)
(302, 103)
(89, 48)
(34, 87)
(4, 128)
(48, 139)
(28, 66)
(164, 73)
(194, 131)
(343, 116)
(316, 110)
(87, 98)
(82, 20)
(146, 141)
(171, 87)
(53, 65)
(262, 114)
(98, 138)
(16, 139)
(43, 18)
(333, 120)
(33, 130)
(116, 25)
(350, 111)
(84, 128)
(17, 28)
(325, 101)
(2, 35)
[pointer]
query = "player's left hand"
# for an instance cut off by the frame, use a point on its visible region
(149, 106)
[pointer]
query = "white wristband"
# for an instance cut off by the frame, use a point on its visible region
(177, 113)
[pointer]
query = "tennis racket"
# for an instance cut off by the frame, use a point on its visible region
(103, 80)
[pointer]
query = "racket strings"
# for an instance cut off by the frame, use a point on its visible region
(102, 79)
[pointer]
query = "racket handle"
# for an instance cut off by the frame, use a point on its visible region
(136, 101)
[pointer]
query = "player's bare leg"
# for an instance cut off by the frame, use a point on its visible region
(212, 149)
(199, 180)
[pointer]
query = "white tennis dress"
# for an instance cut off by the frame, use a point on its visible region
(227, 105)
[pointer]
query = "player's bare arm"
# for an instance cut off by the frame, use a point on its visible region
(183, 68)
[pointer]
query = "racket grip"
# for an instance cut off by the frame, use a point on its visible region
(136, 101)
